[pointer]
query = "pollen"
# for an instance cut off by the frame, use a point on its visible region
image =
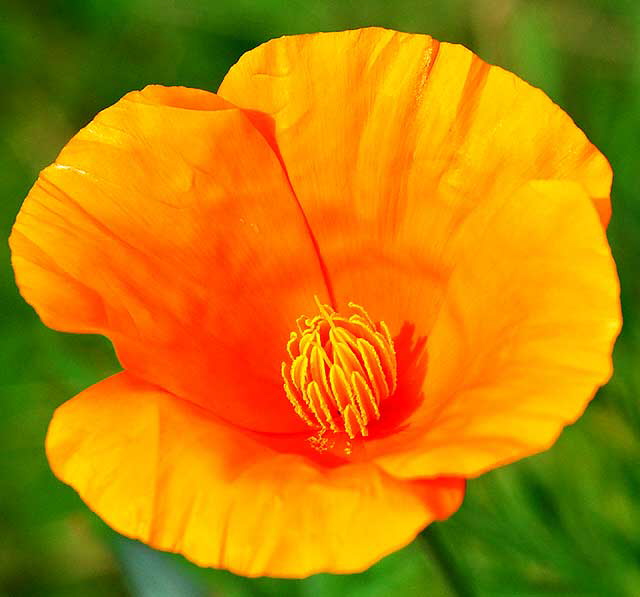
(341, 370)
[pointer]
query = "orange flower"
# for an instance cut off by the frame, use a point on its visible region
(438, 223)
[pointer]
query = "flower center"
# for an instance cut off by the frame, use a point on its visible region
(341, 370)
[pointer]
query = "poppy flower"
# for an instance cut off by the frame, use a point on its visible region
(370, 267)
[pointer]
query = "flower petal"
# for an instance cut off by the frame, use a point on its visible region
(390, 140)
(168, 225)
(523, 340)
(159, 469)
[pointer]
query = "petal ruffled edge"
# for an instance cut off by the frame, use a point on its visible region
(168, 225)
(390, 140)
(523, 340)
(158, 469)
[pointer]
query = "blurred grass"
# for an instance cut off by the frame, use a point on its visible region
(562, 523)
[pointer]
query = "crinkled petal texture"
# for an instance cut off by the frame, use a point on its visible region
(390, 141)
(162, 470)
(168, 225)
(413, 162)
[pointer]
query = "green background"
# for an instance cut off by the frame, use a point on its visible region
(566, 522)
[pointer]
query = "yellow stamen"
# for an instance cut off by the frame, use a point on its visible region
(341, 371)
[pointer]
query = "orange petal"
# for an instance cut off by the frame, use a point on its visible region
(168, 225)
(159, 469)
(523, 340)
(390, 140)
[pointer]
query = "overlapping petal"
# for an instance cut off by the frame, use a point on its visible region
(162, 470)
(168, 225)
(390, 140)
(523, 339)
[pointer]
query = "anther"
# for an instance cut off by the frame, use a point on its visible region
(341, 371)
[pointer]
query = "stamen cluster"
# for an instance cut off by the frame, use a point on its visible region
(341, 370)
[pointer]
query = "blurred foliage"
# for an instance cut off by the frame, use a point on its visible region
(562, 523)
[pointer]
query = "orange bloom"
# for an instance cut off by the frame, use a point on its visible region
(371, 267)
